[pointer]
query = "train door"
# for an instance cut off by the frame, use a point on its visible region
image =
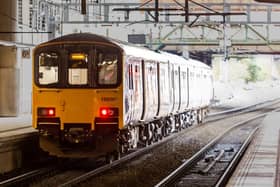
(206, 91)
(184, 87)
(191, 87)
(196, 88)
(128, 90)
(210, 89)
(164, 86)
(172, 91)
(176, 83)
(202, 87)
(78, 62)
(150, 85)
(136, 90)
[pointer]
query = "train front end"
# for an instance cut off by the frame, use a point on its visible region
(78, 96)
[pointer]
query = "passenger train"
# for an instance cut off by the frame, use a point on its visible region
(93, 95)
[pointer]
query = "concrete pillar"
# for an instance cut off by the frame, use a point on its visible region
(9, 72)
(8, 17)
(9, 82)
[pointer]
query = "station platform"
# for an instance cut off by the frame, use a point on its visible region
(18, 142)
(260, 166)
(15, 123)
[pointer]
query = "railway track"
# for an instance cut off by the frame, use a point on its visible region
(228, 113)
(84, 175)
(213, 165)
(52, 167)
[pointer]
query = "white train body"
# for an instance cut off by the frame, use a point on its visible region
(160, 84)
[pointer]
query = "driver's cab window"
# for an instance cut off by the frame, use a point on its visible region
(78, 69)
(48, 68)
(107, 69)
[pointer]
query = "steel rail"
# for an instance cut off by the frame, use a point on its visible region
(195, 158)
(24, 177)
(227, 174)
(229, 113)
(267, 102)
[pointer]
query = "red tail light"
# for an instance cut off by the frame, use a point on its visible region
(104, 112)
(46, 112)
(108, 112)
(51, 112)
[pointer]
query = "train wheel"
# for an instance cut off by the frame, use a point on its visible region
(182, 122)
(111, 157)
(164, 129)
(134, 137)
(168, 127)
(199, 116)
(148, 134)
(178, 123)
(160, 129)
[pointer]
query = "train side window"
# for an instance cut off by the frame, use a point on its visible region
(78, 69)
(48, 68)
(130, 81)
(107, 69)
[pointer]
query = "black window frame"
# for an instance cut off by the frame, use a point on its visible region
(37, 53)
(62, 51)
(119, 70)
(80, 48)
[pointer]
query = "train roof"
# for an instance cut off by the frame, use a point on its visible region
(180, 59)
(143, 53)
(83, 37)
(162, 56)
(128, 49)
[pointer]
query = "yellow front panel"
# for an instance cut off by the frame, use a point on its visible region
(77, 105)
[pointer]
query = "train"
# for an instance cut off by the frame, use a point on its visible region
(94, 96)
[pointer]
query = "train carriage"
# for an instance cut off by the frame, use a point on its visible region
(93, 95)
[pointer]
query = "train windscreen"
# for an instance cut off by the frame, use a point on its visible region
(48, 68)
(78, 66)
(78, 69)
(107, 69)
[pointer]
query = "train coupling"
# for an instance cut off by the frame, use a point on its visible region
(77, 135)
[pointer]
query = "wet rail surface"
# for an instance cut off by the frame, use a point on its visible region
(212, 165)
(187, 142)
